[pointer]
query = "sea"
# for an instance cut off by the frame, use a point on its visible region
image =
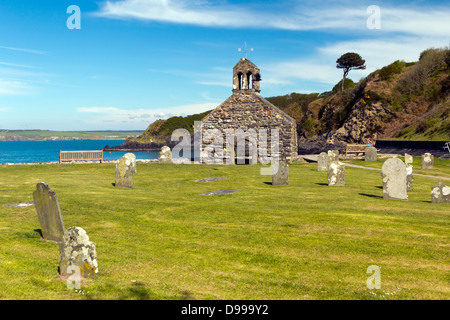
(48, 151)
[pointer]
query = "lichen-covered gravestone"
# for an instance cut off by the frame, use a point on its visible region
(165, 155)
(280, 174)
(123, 173)
(132, 158)
(370, 154)
(440, 193)
(408, 158)
(49, 212)
(323, 162)
(336, 174)
(409, 177)
(393, 173)
(333, 155)
(427, 161)
(76, 252)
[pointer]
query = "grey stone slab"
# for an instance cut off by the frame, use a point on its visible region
(20, 205)
(165, 155)
(370, 154)
(427, 161)
(409, 177)
(219, 192)
(49, 212)
(123, 173)
(77, 252)
(333, 155)
(336, 174)
(209, 179)
(280, 174)
(323, 162)
(440, 193)
(393, 173)
(132, 158)
(408, 158)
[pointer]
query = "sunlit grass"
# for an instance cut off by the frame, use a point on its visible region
(163, 240)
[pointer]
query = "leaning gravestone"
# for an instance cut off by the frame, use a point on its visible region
(427, 161)
(165, 156)
(440, 193)
(76, 252)
(409, 177)
(49, 212)
(408, 158)
(132, 158)
(370, 154)
(123, 173)
(333, 155)
(323, 162)
(336, 174)
(393, 173)
(280, 174)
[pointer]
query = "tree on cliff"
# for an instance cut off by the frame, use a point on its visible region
(349, 61)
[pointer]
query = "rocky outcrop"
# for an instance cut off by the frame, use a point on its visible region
(363, 124)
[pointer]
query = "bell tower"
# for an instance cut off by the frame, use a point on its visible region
(246, 77)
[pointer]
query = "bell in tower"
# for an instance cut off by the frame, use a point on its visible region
(246, 77)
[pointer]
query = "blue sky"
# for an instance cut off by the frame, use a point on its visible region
(135, 61)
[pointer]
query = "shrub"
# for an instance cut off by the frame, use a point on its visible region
(348, 84)
(430, 62)
(387, 72)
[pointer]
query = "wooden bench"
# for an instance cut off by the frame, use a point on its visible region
(356, 148)
(68, 156)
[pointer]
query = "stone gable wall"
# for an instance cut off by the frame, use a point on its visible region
(251, 111)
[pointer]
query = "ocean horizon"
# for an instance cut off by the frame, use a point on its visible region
(48, 151)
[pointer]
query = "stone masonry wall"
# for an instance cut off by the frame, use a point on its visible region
(248, 110)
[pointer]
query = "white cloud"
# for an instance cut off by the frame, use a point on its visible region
(410, 20)
(17, 65)
(14, 87)
(24, 50)
(143, 116)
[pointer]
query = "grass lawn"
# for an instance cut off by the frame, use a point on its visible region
(163, 240)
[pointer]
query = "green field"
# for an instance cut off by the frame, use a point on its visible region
(163, 240)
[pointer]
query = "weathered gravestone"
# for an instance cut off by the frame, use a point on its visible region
(323, 162)
(132, 158)
(280, 174)
(49, 212)
(440, 193)
(427, 161)
(333, 155)
(165, 155)
(336, 174)
(77, 253)
(408, 158)
(393, 173)
(370, 154)
(409, 177)
(123, 173)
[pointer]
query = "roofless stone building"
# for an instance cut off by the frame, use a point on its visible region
(245, 111)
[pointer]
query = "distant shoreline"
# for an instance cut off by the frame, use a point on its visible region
(73, 162)
(21, 138)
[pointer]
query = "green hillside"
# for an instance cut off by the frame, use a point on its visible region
(404, 100)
